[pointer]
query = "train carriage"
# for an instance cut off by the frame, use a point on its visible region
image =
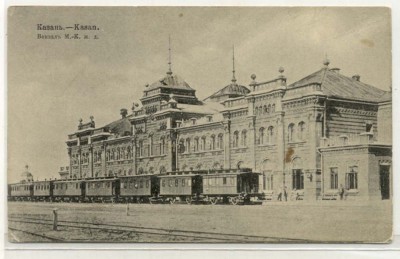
(234, 186)
(183, 187)
(102, 189)
(42, 190)
(21, 191)
(139, 188)
(69, 190)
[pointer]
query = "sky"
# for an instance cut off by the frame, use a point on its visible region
(54, 83)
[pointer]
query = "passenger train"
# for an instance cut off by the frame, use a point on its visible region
(238, 186)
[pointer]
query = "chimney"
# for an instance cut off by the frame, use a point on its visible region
(124, 112)
(193, 121)
(356, 77)
(209, 118)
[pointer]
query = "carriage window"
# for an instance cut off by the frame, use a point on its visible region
(163, 183)
(183, 182)
(147, 183)
(224, 180)
(176, 182)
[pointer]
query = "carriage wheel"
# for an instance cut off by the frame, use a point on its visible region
(213, 200)
(234, 200)
(188, 200)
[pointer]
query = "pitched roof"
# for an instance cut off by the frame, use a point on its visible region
(335, 84)
(120, 126)
(170, 81)
(231, 89)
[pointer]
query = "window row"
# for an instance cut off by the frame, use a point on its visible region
(176, 182)
(351, 178)
(153, 149)
(201, 144)
(266, 136)
(239, 139)
(300, 129)
(118, 154)
(42, 187)
(264, 109)
(20, 188)
(219, 181)
(99, 185)
(135, 184)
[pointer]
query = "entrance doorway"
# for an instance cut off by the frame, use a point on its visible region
(384, 181)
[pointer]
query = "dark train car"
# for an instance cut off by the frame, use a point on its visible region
(69, 190)
(21, 191)
(102, 189)
(42, 190)
(233, 186)
(183, 187)
(139, 188)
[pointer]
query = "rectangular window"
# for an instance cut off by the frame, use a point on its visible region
(170, 182)
(176, 182)
(224, 180)
(210, 181)
(141, 184)
(352, 178)
(334, 178)
(183, 182)
(147, 183)
(189, 182)
(163, 183)
(297, 179)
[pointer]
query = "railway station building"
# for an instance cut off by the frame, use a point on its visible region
(309, 137)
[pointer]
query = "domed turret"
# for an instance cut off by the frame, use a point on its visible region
(26, 176)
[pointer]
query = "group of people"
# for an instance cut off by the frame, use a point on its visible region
(284, 194)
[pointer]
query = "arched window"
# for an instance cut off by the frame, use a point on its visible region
(196, 144)
(301, 130)
(203, 143)
(118, 154)
(273, 107)
(95, 156)
(212, 143)
(352, 178)
(269, 108)
(123, 153)
(261, 136)
(256, 111)
(108, 155)
(140, 148)
(220, 141)
(150, 145)
(270, 136)
(162, 145)
(265, 109)
(244, 138)
(128, 153)
(187, 146)
(236, 139)
(291, 132)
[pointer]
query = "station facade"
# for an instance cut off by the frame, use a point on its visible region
(309, 137)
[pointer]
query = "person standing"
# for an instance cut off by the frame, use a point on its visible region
(280, 194)
(285, 192)
(341, 191)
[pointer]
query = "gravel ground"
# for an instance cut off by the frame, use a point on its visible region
(325, 221)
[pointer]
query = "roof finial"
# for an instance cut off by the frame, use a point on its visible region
(233, 64)
(326, 61)
(169, 56)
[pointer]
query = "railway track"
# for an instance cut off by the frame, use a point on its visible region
(200, 236)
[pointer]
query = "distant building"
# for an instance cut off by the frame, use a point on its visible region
(311, 136)
(26, 176)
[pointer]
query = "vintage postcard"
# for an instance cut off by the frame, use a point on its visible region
(199, 124)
